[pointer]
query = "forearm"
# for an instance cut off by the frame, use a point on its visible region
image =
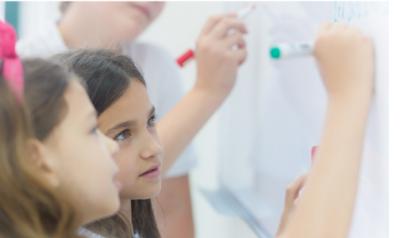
(326, 205)
(178, 127)
(217, 66)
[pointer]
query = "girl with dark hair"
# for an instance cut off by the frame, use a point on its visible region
(125, 113)
(118, 92)
(116, 26)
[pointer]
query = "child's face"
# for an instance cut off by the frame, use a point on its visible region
(119, 22)
(130, 122)
(83, 160)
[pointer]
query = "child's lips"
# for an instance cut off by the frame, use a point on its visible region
(153, 172)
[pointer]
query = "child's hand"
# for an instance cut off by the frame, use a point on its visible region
(292, 194)
(220, 51)
(346, 62)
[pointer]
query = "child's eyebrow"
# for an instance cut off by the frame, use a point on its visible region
(121, 125)
(130, 123)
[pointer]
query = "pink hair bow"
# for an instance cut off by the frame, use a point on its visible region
(11, 70)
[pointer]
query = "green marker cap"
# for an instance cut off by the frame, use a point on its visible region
(275, 53)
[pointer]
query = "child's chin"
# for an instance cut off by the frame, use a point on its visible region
(152, 192)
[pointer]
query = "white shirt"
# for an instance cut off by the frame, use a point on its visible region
(158, 68)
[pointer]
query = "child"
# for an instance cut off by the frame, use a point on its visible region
(126, 115)
(29, 206)
(42, 179)
(116, 26)
(67, 138)
(116, 88)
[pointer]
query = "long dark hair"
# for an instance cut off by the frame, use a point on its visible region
(107, 76)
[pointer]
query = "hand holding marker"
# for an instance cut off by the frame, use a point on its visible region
(189, 54)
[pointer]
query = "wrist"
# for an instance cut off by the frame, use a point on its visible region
(213, 85)
(351, 105)
(351, 97)
(210, 95)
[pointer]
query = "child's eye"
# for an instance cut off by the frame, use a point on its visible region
(123, 135)
(152, 121)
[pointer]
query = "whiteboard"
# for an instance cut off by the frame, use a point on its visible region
(275, 113)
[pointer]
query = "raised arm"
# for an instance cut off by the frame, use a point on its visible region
(217, 64)
(325, 208)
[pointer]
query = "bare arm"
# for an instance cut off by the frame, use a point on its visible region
(325, 208)
(217, 65)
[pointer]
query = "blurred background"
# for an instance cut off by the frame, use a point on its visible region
(260, 140)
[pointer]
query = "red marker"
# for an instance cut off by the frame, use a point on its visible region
(189, 54)
(185, 57)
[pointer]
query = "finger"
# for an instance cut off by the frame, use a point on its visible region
(299, 184)
(240, 55)
(235, 39)
(213, 20)
(355, 31)
(221, 28)
(294, 188)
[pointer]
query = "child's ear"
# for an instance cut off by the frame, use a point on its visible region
(44, 162)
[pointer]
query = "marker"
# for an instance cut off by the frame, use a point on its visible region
(189, 54)
(289, 50)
